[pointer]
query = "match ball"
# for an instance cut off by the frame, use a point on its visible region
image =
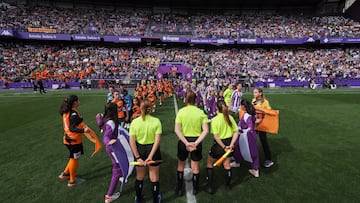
(188, 174)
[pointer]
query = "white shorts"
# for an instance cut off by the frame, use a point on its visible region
(235, 109)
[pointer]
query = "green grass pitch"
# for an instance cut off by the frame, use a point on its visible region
(317, 151)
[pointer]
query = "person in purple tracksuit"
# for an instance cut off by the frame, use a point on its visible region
(198, 100)
(220, 96)
(109, 125)
(246, 147)
(211, 105)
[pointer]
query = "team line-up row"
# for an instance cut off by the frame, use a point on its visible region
(191, 127)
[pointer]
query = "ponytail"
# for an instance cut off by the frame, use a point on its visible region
(190, 98)
(110, 113)
(67, 104)
(250, 109)
(145, 109)
(221, 106)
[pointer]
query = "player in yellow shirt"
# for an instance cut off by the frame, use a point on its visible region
(260, 100)
(227, 94)
(225, 132)
(191, 127)
(145, 133)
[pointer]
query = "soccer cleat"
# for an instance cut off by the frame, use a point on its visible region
(195, 191)
(234, 164)
(77, 181)
(158, 199)
(178, 191)
(111, 198)
(227, 187)
(64, 176)
(268, 163)
(208, 189)
(136, 200)
(253, 172)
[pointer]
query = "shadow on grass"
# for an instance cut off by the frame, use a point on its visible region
(97, 173)
(277, 146)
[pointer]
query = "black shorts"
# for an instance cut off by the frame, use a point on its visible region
(183, 153)
(144, 151)
(121, 121)
(75, 150)
(217, 151)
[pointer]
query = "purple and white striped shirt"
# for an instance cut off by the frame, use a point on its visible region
(236, 98)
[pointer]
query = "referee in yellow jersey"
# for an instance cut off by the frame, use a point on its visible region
(225, 133)
(145, 133)
(191, 127)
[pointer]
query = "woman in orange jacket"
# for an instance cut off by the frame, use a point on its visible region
(73, 131)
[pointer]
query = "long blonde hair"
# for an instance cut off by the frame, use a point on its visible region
(262, 98)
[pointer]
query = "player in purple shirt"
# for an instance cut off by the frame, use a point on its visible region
(236, 99)
(109, 125)
(211, 105)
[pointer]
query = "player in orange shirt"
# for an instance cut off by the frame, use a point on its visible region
(152, 98)
(73, 130)
(123, 113)
(160, 91)
(136, 108)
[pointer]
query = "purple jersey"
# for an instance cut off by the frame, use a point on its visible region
(220, 98)
(211, 106)
(198, 100)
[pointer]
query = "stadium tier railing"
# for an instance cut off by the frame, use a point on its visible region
(9, 33)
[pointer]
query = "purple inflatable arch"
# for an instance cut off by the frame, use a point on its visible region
(171, 67)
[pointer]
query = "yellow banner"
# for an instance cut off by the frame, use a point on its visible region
(40, 29)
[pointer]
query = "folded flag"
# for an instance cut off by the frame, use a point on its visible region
(123, 155)
(269, 120)
(94, 139)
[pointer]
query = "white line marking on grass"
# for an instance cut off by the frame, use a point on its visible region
(175, 105)
(188, 183)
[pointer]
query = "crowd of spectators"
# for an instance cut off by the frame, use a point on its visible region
(72, 63)
(170, 24)
(76, 21)
(140, 22)
(261, 25)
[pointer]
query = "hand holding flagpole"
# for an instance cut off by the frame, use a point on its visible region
(224, 156)
(138, 163)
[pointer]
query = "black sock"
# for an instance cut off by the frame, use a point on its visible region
(155, 190)
(138, 189)
(209, 176)
(227, 176)
(180, 179)
(196, 181)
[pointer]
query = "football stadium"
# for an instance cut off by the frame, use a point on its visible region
(179, 101)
